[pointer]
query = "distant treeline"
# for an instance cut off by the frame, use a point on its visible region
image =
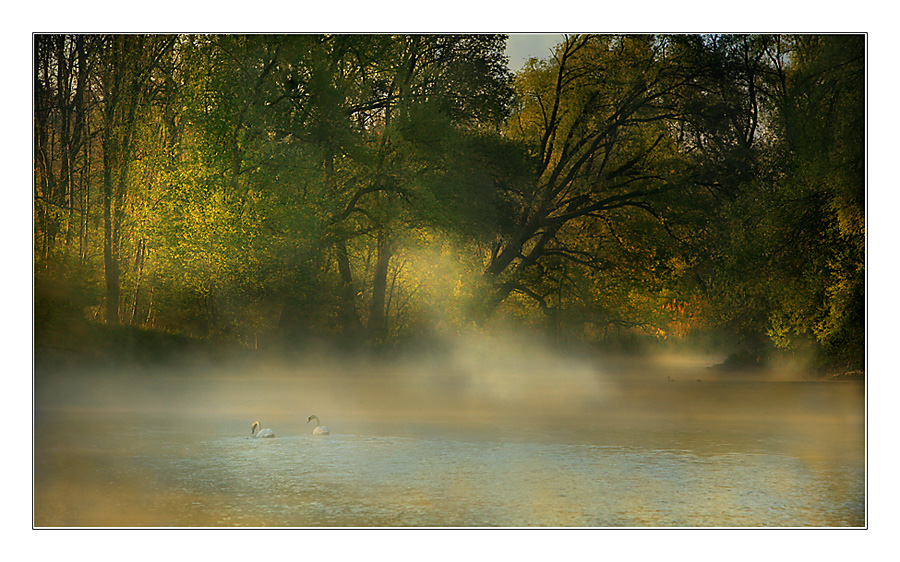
(268, 189)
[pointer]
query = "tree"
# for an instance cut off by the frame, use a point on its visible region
(594, 120)
(369, 107)
(824, 197)
(126, 64)
(784, 261)
(63, 65)
(247, 186)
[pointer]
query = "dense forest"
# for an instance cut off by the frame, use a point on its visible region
(267, 191)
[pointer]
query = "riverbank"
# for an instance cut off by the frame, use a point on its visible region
(73, 345)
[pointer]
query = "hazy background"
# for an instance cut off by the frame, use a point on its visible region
(521, 47)
(493, 429)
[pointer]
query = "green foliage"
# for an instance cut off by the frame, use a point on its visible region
(790, 262)
(268, 189)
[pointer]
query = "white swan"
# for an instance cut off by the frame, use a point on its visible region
(255, 431)
(319, 429)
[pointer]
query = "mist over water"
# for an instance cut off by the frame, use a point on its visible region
(490, 431)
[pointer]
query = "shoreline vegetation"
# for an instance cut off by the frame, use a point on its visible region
(211, 197)
(89, 346)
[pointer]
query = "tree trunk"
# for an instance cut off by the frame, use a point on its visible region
(377, 311)
(110, 259)
(139, 265)
(497, 290)
(123, 91)
(352, 323)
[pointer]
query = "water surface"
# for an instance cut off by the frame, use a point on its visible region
(581, 447)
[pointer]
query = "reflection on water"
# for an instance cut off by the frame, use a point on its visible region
(170, 451)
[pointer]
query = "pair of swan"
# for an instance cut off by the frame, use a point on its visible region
(255, 430)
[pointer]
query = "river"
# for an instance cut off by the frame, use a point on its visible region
(556, 443)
